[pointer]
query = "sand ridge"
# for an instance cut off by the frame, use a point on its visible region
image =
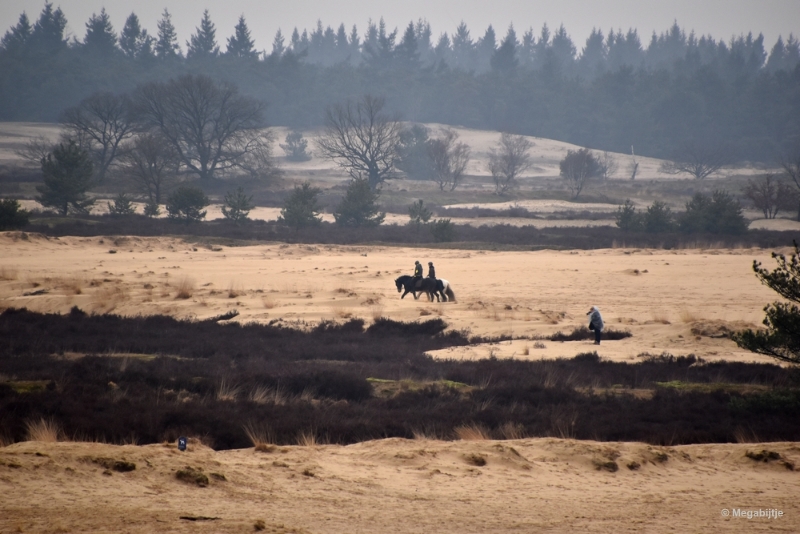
(397, 485)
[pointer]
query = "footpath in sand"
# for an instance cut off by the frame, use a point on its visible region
(399, 486)
(679, 301)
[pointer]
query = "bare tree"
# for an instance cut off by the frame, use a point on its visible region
(634, 166)
(791, 167)
(508, 160)
(697, 159)
(151, 164)
(101, 123)
(35, 150)
(212, 128)
(449, 160)
(770, 195)
(608, 165)
(577, 168)
(362, 139)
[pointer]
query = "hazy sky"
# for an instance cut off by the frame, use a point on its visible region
(721, 19)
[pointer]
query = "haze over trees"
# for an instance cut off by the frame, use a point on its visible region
(614, 90)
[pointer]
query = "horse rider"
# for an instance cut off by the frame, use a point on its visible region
(417, 271)
(431, 271)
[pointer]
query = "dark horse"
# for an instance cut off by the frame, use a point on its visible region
(423, 285)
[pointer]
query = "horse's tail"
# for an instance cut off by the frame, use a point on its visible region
(451, 296)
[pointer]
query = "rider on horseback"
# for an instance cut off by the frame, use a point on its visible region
(431, 271)
(417, 271)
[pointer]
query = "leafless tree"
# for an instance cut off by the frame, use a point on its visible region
(449, 160)
(791, 167)
(151, 165)
(508, 160)
(608, 165)
(770, 195)
(362, 139)
(634, 166)
(35, 150)
(100, 123)
(211, 127)
(577, 168)
(697, 159)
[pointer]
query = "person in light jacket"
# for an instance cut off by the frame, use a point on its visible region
(595, 323)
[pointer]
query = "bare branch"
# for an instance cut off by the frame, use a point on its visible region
(508, 160)
(361, 139)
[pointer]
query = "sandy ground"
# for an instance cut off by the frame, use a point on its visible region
(394, 485)
(679, 301)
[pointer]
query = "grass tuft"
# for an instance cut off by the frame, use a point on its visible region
(473, 432)
(45, 430)
(185, 288)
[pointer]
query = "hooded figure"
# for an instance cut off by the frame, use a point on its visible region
(595, 323)
(431, 270)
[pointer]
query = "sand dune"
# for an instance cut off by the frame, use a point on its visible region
(395, 485)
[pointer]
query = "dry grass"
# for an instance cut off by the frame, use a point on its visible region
(227, 392)
(688, 316)
(512, 431)
(473, 432)
(45, 430)
(307, 439)
(661, 318)
(745, 436)
(8, 273)
(260, 395)
(235, 289)
(260, 436)
(340, 312)
(376, 312)
(185, 288)
(269, 302)
(108, 297)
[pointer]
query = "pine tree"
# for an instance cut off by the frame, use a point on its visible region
(67, 173)
(167, 41)
(100, 35)
(48, 32)
(781, 339)
(240, 44)
(301, 208)
(358, 207)
(134, 41)
(505, 59)
(203, 43)
(18, 36)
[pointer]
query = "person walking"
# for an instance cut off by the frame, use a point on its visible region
(595, 323)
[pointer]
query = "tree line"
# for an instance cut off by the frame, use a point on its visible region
(614, 93)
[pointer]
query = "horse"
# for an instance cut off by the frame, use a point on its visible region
(423, 285)
(444, 289)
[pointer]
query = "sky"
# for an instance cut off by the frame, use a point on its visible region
(722, 19)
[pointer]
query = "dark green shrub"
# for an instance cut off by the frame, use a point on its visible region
(237, 206)
(301, 208)
(658, 218)
(719, 213)
(627, 218)
(121, 205)
(12, 216)
(443, 230)
(185, 204)
(67, 172)
(359, 206)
